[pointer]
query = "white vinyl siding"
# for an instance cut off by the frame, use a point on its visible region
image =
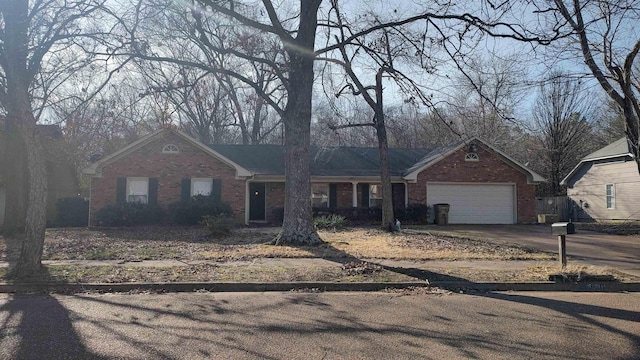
(590, 191)
(475, 203)
(138, 190)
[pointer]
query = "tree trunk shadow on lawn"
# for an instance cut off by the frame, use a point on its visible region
(344, 258)
(42, 328)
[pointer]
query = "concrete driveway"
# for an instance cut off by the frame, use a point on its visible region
(621, 252)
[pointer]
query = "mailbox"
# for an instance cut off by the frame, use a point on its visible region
(563, 228)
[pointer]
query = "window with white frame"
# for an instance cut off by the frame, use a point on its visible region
(201, 186)
(611, 196)
(320, 195)
(375, 195)
(138, 190)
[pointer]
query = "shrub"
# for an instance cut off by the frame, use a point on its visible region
(129, 214)
(193, 212)
(356, 216)
(218, 225)
(72, 212)
(414, 213)
(331, 221)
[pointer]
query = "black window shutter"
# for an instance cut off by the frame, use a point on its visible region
(333, 195)
(216, 190)
(364, 191)
(153, 191)
(186, 190)
(121, 190)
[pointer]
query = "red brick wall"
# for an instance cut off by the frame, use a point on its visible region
(275, 199)
(170, 169)
(490, 169)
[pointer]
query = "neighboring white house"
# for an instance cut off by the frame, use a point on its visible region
(605, 185)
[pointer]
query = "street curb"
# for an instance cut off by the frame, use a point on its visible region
(457, 286)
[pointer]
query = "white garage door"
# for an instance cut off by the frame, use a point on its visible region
(475, 203)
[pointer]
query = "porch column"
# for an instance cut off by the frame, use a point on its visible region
(354, 194)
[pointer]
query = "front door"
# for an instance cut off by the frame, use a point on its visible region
(257, 202)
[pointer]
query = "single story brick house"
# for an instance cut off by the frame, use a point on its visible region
(605, 185)
(482, 184)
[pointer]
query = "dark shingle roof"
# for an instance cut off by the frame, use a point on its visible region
(326, 161)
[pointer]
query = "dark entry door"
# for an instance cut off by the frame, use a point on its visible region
(257, 202)
(397, 192)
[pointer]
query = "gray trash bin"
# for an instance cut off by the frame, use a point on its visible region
(442, 213)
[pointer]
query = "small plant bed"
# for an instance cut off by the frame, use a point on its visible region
(581, 273)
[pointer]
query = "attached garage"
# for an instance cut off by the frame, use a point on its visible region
(476, 203)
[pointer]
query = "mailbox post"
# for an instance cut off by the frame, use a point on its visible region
(562, 229)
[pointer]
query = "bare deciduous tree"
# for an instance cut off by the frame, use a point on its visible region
(562, 115)
(41, 43)
(604, 36)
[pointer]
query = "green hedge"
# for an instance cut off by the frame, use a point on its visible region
(72, 212)
(129, 214)
(193, 211)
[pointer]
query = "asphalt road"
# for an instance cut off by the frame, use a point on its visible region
(593, 248)
(321, 326)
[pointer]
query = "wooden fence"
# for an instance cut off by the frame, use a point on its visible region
(555, 205)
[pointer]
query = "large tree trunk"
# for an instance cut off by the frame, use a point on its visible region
(19, 113)
(297, 227)
(15, 173)
(388, 218)
(33, 242)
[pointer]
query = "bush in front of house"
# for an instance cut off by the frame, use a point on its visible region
(331, 221)
(355, 216)
(129, 214)
(193, 211)
(72, 212)
(218, 225)
(414, 214)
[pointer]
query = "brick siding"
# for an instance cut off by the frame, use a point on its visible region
(170, 169)
(490, 169)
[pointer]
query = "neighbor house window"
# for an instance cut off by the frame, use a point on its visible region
(320, 195)
(170, 149)
(138, 190)
(201, 186)
(611, 196)
(375, 195)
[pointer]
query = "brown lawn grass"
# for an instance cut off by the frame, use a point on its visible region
(193, 243)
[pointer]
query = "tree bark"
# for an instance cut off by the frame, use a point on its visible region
(388, 217)
(19, 76)
(16, 178)
(297, 226)
(30, 258)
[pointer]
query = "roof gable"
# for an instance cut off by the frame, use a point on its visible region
(620, 147)
(95, 168)
(617, 149)
(439, 154)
